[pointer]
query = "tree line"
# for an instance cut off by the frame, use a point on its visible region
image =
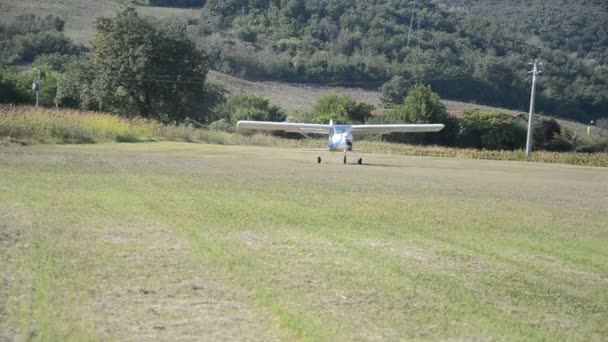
(463, 54)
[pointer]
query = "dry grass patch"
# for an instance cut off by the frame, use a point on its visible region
(163, 292)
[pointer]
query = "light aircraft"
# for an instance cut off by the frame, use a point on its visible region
(340, 136)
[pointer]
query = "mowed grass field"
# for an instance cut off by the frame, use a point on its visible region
(183, 241)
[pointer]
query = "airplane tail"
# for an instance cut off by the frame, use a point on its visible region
(331, 122)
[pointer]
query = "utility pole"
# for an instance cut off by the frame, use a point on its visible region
(418, 29)
(411, 23)
(36, 87)
(535, 72)
(589, 127)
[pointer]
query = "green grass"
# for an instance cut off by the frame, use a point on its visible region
(177, 241)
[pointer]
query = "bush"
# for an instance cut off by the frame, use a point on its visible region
(55, 61)
(562, 142)
(28, 46)
(222, 125)
(341, 109)
(251, 107)
(14, 88)
(493, 131)
(395, 91)
(422, 105)
(593, 144)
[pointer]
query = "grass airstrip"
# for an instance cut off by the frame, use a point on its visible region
(184, 241)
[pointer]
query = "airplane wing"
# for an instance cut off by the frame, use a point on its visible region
(284, 126)
(405, 128)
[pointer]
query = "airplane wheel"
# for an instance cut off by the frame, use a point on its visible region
(360, 161)
(344, 159)
(318, 160)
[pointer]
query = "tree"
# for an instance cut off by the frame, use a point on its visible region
(562, 142)
(545, 130)
(12, 88)
(251, 107)
(395, 91)
(494, 131)
(75, 88)
(17, 87)
(421, 105)
(55, 61)
(148, 68)
(341, 109)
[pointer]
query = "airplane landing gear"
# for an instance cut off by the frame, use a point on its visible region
(318, 160)
(344, 159)
(360, 161)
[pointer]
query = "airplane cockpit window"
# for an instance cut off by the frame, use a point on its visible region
(340, 129)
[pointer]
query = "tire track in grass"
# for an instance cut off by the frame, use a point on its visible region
(13, 228)
(163, 291)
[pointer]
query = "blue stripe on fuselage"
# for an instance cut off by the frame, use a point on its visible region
(339, 147)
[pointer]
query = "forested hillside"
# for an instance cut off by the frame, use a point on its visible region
(579, 27)
(463, 52)
(471, 50)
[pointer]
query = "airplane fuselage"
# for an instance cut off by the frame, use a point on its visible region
(340, 138)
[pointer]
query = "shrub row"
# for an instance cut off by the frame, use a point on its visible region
(33, 125)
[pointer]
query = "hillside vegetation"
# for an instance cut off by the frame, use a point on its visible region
(462, 54)
(577, 27)
(468, 50)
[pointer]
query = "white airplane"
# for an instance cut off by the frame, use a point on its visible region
(340, 136)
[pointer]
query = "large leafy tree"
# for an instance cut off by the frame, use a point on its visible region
(340, 109)
(75, 88)
(395, 90)
(422, 105)
(148, 68)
